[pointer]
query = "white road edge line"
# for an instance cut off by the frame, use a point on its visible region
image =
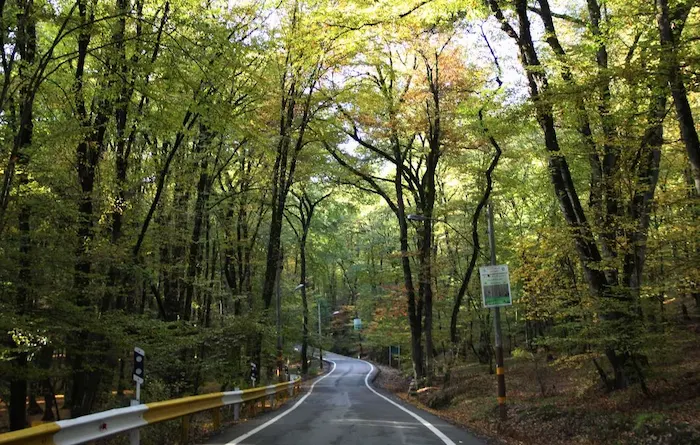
(239, 439)
(425, 423)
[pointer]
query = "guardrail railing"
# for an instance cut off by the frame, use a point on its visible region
(121, 420)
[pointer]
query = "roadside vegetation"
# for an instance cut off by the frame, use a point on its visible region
(228, 183)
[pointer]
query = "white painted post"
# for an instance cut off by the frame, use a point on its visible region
(138, 376)
(135, 434)
(236, 409)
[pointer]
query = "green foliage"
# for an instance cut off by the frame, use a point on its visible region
(170, 254)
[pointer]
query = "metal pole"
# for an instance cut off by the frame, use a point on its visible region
(500, 370)
(320, 346)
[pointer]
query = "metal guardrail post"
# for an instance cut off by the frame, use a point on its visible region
(216, 417)
(185, 432)
(236, 412)
(236, 409)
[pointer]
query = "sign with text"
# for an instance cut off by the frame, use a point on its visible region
(495, 286)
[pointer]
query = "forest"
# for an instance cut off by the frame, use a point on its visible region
(231, 182)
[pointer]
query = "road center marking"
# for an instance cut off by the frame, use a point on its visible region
(425, 423)
(239, 439)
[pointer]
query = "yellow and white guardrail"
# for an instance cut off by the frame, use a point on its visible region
(107, 423)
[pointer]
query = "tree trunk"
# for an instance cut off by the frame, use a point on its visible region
(44, 359)
(115, 289)
(305, 308)
(26, 42)
(173, 255)
(86, 382)
(18, 394)
(476, 247)
(415, 308)
(671, 67)
(589, 253)
(33, 407)
(193, 265)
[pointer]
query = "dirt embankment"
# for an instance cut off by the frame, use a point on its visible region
(561, 401)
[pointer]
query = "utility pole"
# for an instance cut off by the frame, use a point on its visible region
(320, 344)
(500, 370)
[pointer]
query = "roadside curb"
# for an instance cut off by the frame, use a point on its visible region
(376, 374)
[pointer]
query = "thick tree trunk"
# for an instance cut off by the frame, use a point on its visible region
(26, 42)
(671, 67)
(18, 394)
(44, 359)
(306, 207)
(305, 307)
(273, 248)
(568, 198)
(415, 308)
(425, 288)
(115, 289)
(86, 381)
(193, 265)
(232, 260)
(174, 258)
(640, 207)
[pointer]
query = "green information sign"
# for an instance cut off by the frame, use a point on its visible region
(495, 286)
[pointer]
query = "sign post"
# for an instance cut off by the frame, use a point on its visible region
(495, 291)
(138, 375)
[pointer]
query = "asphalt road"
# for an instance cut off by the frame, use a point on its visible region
(341, 408)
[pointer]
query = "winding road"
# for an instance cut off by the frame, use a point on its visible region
(342, 408)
